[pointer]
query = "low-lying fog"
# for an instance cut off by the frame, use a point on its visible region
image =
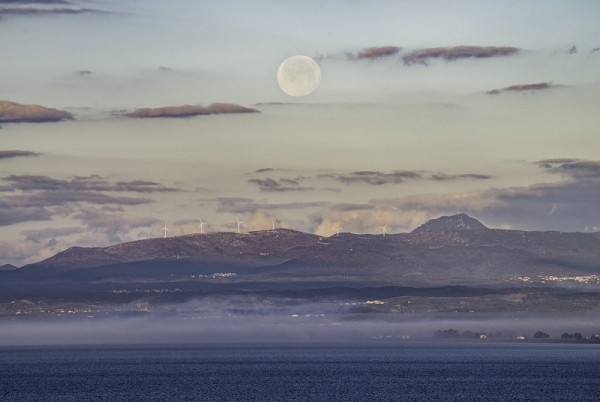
(225, 321)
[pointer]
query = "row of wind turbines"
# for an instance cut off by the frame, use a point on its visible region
(165, 229)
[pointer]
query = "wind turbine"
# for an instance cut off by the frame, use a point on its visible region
(337, 230)
(239, 222)
(165, 229)
(201, 226)
(383, 230)
(274, 220)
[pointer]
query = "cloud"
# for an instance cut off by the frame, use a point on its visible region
(11, 112)
(58, 198)
(523, 87)
(448, 177)
(115, 228)
(43, 197)
(88, 183)
(10, 215)
(374, 53)
(262, 220)
(100, 227)
(35, 1)
(570, 204)
(376, 178)
(574, 168)
(190, 110)
(422, 56)
(40, 11)
(249, 205)
(48, 234)
(281, 185)
(32, 7)
(16, 154)
(548, 162)
(373, 177)
(264, 170)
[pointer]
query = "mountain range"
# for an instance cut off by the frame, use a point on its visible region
(448, 265)
(451, 250)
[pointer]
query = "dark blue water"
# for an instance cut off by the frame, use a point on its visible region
(332, 372)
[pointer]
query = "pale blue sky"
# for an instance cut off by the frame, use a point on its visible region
(434, 141)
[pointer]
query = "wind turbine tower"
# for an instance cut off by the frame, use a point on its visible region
(239, 222)
(383, 230)
(202, 226)
(337, 230)
(165, 229)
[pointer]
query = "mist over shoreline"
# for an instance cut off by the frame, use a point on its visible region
(163, 328)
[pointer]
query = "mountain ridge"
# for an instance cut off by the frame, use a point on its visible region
(452, 250)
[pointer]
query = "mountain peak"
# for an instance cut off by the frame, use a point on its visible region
(452, 223)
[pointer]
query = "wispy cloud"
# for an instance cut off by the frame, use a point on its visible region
(524, 87)
(48, 234)
(35, 2)
(190, 110)
(423, 56)
(574, 168)
(11, 112)
(375, 53)
(44, 197)
(449, 177)
(373, 177)
(88, 183)
(249, 205)
(376, 178)
(280, 185)
(11, 213)
(16, 153)
(115, 227)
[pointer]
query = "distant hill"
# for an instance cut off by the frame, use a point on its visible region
(454, 250)
(7, 267)
(451, 223)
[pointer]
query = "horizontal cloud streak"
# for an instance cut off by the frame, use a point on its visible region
(281, 185)
(190, 110)
(523, 88)
(422, 56)
(374, 53)
(11, 112)
(448, 177)
(376, 178)
(43, 197)
(16, 153)
(575, 168)
(90, 183)
(248, 205)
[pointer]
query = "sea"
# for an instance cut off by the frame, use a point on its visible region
(327, 371)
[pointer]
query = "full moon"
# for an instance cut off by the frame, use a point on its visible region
(298, 75)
